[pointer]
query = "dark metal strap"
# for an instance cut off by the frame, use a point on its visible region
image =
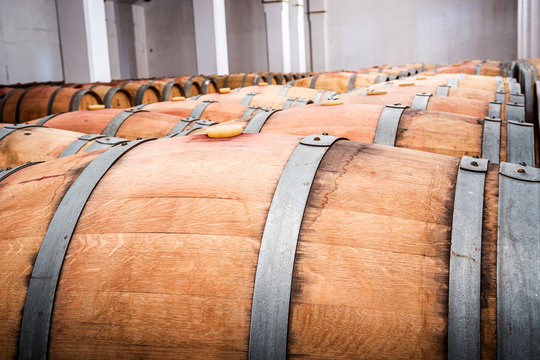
(518, 263)
(380, 78)
(76, 100)
(244, 80)
(453, 82)
(284, 89)
(352, 79)
(257, 79)
(302, 102)
(199, 124)
(520, 142)
(77, 145)
(442, 90)
(124, 84)
(288, 103)
(3, 101)
(388, 124)
(104, 143)
(167, 90)
(140, 93)
(6, 130)
(318, 96)
(8, 171)
(517, 99)
(491, 139)
(479, 67)
(247, 99)
(515, 112)
(494, 109)
(257, 122)
(107, 99)
(249, 111)
(51, 100)
(465, 257)
(313, 81)
(225, 81)
(112, 127)
(196, 97)
(199, 109)
(36, 318)
(420, 101)
(18, 107)
(182, 124)
(273, 278)
(43, 120)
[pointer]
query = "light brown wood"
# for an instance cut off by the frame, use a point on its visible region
(294, 91)
(339, 82)
(218, 111)
(259, 100)
(150, 95)
(164, 268)
(9, 106)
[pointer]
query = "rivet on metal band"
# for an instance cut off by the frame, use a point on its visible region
(247, 99)
(199, 124)
(43, 120)
(442, 90)
(491, 139)
(273, 278)
(283, 90)
(104, 143)
(199, 109)
(420, 101)
(388, 124)
(250, 110)
(494, 109)
(288, 103)
(36, 317)
(77, 145)
(116, 122)
(520, 142)
(6, 172)
(352, 79)
(517, 99)
(518, 263)
(465, 257)
(257, 122)
(6, 130)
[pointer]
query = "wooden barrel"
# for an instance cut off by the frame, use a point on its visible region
(339, 82)
(9, 105)
(259, 100)
(273, 78)
(142, 93)
(191, 87)
(112, 97)
(167, 88)
(127, 124)
(290, 91)
(234, 81)
(32, 144)
(4, 91)
(170, 252)
(41, 101)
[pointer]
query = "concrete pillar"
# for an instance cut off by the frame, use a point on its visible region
(141, 47)
(278, 39)
(298, 36)
(211, 36)
(83, 39)
(319, 38)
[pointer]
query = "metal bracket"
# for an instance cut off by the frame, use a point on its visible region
(494, 109)
(302, 102)
(352, 80)
(465, 260)
(114, 125)
(8, 171)
(199, 109)
(273, 278)
(420, 101)
(6, 130)
(105, 142)
(500, 97)
(517, 99)
(442, 90)
(288, 103)
(388, 124)
(37, 313)
(77, 145)
(515, 112)
(257, 122)
(491, 139)
(513, 87)
(520, 142)
(518, 263)
(199, 124)
(284, 89)
(247, 99)
(250, 110)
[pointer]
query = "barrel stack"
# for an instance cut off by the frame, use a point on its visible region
(384, 212)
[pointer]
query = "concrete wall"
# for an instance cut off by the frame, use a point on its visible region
(121, 38)
(170, 37)
(365, 33)
(29, 44)
(246, 36)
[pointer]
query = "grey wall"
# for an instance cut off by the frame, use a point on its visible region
(363, 32)
(246, 36)
(29, 44)
(170, 37)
